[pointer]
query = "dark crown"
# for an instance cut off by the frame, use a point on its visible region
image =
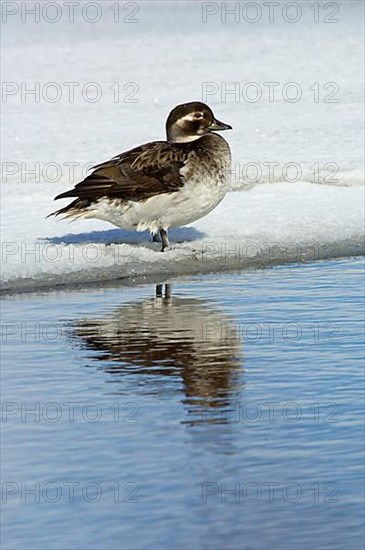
(186, 108)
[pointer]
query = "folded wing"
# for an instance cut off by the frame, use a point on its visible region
(137, 174)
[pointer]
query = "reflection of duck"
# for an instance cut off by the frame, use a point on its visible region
(173, 337)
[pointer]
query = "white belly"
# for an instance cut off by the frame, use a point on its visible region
(205, 184)
(193, 201)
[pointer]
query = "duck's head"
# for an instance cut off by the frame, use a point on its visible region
(191, 121)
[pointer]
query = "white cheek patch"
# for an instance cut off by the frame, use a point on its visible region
(183, 128)
(191, 118)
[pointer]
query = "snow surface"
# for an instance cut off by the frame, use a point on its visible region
(169, 55)
(271, 223)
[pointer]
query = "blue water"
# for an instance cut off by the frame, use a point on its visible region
(225, 413)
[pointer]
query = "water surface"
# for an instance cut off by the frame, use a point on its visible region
(220, 411)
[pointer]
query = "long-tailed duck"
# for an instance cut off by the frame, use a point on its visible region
(160, 184)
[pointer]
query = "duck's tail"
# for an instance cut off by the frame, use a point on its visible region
(76, 209)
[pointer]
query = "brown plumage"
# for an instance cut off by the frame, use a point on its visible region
(153, 169)
(138, 174)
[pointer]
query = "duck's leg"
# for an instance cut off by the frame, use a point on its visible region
(155, 238)
(164, 239)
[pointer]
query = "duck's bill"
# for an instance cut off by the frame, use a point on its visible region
(218, 126)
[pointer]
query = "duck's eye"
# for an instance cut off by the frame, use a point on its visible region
(198, 115)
